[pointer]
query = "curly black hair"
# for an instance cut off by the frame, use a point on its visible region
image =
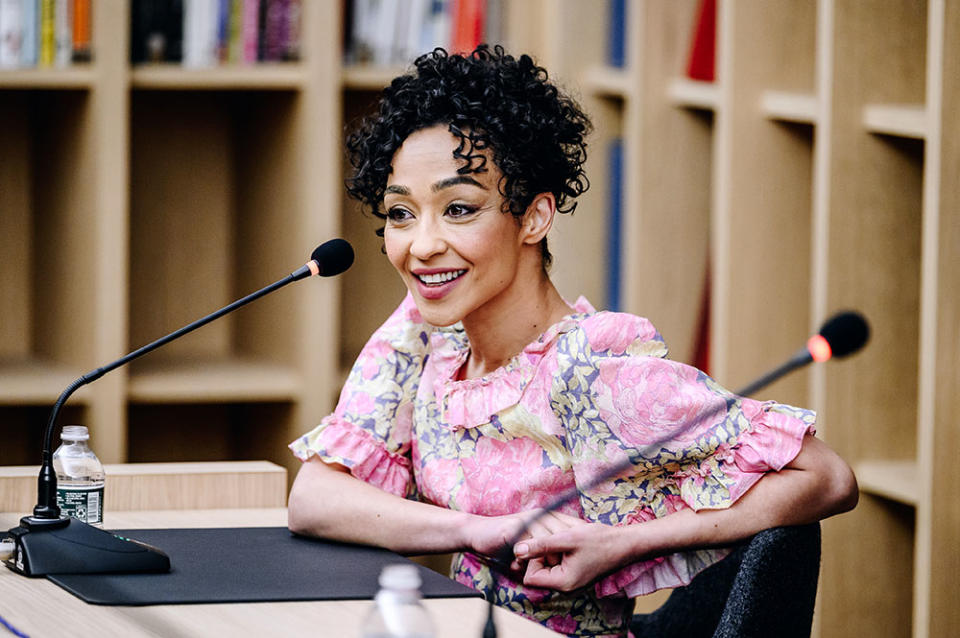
(489, 100)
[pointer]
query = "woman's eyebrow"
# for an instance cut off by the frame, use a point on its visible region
(453, 181)
(397, 190)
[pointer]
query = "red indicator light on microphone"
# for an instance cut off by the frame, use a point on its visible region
(819, 348)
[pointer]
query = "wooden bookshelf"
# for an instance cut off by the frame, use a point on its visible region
(815, 174)
(816, 171)
(138, 199)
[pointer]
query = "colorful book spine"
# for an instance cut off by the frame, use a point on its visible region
(615, 226)
(11, 33)
(47, 43)
(63, 32)
(617, 38)
(250, 31)
(234, 37)
(702, 63)
(30, 20)
(276, 30)
(292, 43)
(81, 31)
(467, 22)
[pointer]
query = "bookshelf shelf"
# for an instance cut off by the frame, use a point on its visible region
(604, 81)
(81, 77)
(259, 77)
(693, 94)
(790, 107)
(37, 382)
(898, 120)
(367, 77)
(895, 480)
(213, 381)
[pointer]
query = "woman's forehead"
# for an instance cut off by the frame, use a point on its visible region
(428, 155)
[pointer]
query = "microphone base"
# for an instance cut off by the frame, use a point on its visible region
(69, 546)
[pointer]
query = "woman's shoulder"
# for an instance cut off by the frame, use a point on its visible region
(617, 333)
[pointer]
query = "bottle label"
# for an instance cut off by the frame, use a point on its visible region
(82, 503)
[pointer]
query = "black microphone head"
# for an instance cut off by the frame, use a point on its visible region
(846, 332)
(333, 257)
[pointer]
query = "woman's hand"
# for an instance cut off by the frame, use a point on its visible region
(572, 554)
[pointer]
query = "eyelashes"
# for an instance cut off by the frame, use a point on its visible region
(399, 214)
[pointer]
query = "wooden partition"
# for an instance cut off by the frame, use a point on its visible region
(165, 486)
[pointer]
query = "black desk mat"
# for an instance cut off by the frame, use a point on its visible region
(251, 564)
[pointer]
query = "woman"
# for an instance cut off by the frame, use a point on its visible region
(485, 394)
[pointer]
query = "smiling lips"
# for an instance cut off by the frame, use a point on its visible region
(435, 285)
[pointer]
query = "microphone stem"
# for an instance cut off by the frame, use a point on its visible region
(47, 482)
(800, 359)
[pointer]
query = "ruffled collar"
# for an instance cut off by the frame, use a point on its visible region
(471, 402)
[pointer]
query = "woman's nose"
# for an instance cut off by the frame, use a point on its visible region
(428, 241)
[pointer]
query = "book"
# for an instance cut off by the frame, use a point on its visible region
(616, 33)
(250, 31)
(200, 24)
(702, 61)
(11, 33)
(615, 225)
(30, 23)
(81, 31)
(63, 32)
(466, 17)
(47, 46)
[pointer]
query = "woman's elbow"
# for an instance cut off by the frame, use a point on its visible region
(297, 519)
(846, 490)
(841, 487)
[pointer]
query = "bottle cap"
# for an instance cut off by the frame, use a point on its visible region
(75, 433)
(400, 577)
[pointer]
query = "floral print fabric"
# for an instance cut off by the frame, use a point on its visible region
(595, 390)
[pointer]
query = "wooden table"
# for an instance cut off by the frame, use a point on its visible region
(38, 608)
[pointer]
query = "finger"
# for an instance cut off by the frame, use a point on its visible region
(542, 545)
(539, 575)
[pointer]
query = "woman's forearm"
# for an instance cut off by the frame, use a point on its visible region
(327, 501)
(815, 485)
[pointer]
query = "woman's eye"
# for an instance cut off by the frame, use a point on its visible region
(397, 214)
(460, 210)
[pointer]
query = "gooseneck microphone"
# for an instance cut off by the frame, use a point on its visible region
(839, 336)
(45, 543)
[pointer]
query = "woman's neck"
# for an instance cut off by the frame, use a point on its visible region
(499, 333)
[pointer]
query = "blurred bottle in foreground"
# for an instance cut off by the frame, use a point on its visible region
(397, 611)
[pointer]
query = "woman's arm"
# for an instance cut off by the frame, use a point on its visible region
(815, 485)
(327, 501)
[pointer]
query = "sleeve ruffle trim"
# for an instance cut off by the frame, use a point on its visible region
(772, 442)
(338, 441)
(665, 572)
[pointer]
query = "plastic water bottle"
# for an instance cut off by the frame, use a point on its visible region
(80, 477)
(397, 611)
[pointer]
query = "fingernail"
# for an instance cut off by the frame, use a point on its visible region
(520, 549)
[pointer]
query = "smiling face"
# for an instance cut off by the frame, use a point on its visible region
(446, 233)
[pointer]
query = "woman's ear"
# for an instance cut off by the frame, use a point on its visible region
(539, 218)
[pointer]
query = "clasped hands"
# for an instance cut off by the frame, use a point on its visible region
(557, 551)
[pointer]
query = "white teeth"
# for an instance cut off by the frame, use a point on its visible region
(440, 277)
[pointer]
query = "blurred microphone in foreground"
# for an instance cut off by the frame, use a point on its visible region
(840, 335)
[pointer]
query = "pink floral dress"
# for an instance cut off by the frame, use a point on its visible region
(594, 389)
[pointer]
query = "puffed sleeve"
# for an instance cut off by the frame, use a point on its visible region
(369, 431)
(683, 441)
